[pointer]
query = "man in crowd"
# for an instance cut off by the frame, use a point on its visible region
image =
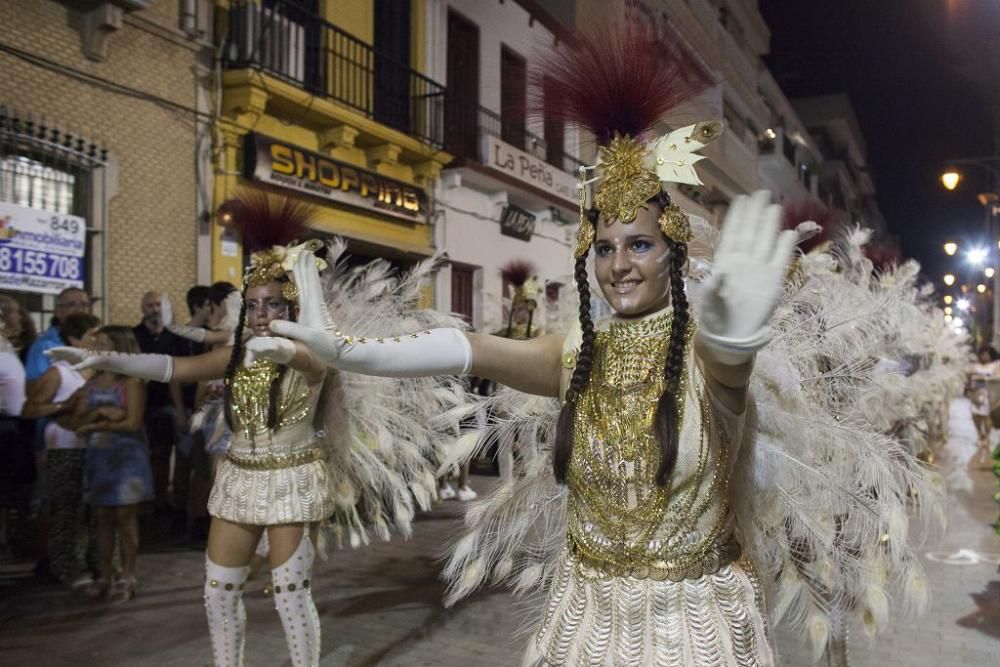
(69, 301)
(165, 413)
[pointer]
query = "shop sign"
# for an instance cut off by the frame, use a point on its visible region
(40, 251)
(517, 222)
(287, 166)
(531, 170)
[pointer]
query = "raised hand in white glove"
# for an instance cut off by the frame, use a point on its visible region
(166, 310)
(154, 367)
(272, 348)
(748, 275)
(312, 307)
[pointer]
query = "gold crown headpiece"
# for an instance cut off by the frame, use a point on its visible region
(630, 173)
(276, 264)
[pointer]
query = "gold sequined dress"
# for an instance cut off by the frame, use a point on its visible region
(650, 575)
(274, 476)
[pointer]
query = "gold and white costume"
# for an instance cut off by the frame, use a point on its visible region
(650, 575)
(277, 476)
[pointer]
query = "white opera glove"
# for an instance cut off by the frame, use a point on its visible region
(166, 310)
(434, 352)
(196, 334)
(272, 348)
(153, 367)
(747, 279)
(312, 306)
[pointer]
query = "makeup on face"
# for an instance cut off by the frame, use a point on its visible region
(632, 264)
(265, 304)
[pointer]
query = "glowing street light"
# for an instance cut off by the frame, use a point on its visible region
(981, 288)
(963, 304)
(950, 179)
(947, 310)
(948, 318)
(949, 279)
(977, 256)
(948, 298)
(950, 248)
(989, 271)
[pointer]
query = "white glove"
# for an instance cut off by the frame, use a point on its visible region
(434, 352)
(166, 310)
(749, 272)
(437, 352)
(196, 334)
(278, 350)
(312, 307)
(153, 367)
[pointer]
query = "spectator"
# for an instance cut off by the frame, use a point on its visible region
(118, 476)
(52, 396)
(17, 469)
(69, 301)
(164, 414)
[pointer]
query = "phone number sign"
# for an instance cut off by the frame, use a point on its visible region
(40, 251)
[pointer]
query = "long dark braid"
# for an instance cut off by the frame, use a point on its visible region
(581, 372)
(235, 358)
(667, 422)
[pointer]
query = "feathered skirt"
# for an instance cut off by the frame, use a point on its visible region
(716, 619)
(285, 480)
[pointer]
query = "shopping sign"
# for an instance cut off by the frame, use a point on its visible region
(40, 251)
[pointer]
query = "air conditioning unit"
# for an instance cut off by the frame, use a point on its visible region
(261, 36)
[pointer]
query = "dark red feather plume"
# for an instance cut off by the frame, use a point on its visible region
(616, 78)
(883, 255)
(517, 271)
(832, 220)
(263, 220)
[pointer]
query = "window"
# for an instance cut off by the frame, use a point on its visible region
(513, 97)
(555, 132)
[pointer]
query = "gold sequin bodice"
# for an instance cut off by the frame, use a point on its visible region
(296, 404)
(620, 521)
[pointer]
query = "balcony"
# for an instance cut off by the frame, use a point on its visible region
(468, 126)
(278, 38)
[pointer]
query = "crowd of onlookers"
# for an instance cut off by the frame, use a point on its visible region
(83, 453)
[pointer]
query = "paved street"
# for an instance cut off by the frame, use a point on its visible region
(381, 605)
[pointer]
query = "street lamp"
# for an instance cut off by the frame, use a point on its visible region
(963, 304)
(977, 256)
(981, 288)
(989, 271)
(947, 310)
(948, 298)
(950, 179)
(949, 279)
(950, 248)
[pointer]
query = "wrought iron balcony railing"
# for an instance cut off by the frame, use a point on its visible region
(280, 38)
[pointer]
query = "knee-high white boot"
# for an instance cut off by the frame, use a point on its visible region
(293, 600)
(227, 617)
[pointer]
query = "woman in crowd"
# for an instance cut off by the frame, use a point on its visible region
(51, 396)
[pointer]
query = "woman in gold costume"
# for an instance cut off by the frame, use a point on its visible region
(652, 406)
(301, 451)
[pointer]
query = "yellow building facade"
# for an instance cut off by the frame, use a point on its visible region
(323, 100)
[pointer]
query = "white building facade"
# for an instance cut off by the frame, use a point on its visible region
(510, 193)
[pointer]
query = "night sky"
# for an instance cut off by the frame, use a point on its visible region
(917, 76)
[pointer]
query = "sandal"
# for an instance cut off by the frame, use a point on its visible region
(96, 589)
(123, 590)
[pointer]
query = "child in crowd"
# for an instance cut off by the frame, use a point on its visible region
(118, 473)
